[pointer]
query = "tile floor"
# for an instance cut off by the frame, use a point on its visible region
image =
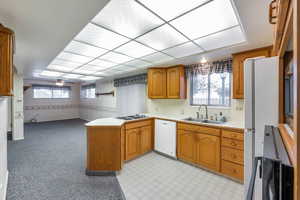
(155, 177)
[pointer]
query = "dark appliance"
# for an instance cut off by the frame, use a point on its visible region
(274, 169)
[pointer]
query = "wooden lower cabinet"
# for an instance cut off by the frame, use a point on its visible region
(146, 139)
(208, 151)
(132, 143)
(185, 146)
(233, 170)
(200, 149)
(139, 140)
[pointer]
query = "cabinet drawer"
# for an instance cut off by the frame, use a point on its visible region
(236, 144)
(200, 129)
(137, 124)
(232, 135)
(233, 170)
(233, 155)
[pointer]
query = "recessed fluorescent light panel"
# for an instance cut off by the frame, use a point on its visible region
(71, 76)
(51, 73)
(142, 33)
(127, 17)
(84, 49)
(184, 50)
(89, 78)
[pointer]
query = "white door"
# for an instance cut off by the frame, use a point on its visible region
(17, 109)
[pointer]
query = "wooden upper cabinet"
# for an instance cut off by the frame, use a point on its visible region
(6, 61)
(167, 83)
(238, 68)
(208, 151)
(176, 83)
(157, 83)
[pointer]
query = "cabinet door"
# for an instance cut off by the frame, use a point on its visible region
(132, 143)
(208, 151)
(157, 83)
(6, 62)
(173, 83)
(186, 146)
(176, 83)
(238, 69)
(146, 139)
(122, 145)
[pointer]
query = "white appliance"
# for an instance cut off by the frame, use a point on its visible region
(165, 137)
(261, 108)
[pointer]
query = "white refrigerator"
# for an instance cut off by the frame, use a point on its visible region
(261, 108)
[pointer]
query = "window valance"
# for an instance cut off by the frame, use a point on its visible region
(219, 66)
(137, 79)
(89, 86)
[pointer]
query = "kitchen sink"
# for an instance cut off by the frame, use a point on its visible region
(203, 120)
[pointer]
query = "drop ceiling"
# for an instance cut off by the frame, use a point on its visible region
(130, 35)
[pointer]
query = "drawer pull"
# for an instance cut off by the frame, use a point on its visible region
(233, 143)
(233, 136)
(233, 156)
(234, 171)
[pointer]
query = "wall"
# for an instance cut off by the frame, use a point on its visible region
(17, 111)
(3, 147)
(50, 109)
(100, 107)
(182, 107)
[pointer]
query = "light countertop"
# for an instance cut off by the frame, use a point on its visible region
(178, 118)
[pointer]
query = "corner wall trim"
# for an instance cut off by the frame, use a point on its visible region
(3, 195)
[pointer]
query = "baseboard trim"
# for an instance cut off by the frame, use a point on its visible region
(3, 196)
(99, 173)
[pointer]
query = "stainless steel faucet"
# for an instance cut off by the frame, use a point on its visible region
(206, 111)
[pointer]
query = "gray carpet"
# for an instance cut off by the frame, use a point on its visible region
(50, 164)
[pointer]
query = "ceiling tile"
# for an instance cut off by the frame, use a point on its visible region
(84, 49)
(82, 71)
(65, 63)
(72, 76)
(74, 57)
(102, 63)
(51, 73)
(127, 18)
(100, 37)
(222, 39)
(183, 50)
(101, 73)
(124, 68)
(138, 63)
(135, 49)
(212, 17)
(90, 68)
(116, 57)
(60, 68)
(89, 78)
(157, 58)
(169, 9)
(162, 38)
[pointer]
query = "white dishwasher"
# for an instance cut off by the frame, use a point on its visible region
(165, 137)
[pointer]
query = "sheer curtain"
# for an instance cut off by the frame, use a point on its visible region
(131, 99)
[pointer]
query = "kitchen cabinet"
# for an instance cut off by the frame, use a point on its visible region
(132, 143)
(139, 138)
(238, 68)
(157, 83)
(176, 83)
(6, 61)
(199, 145)
(167, 83)
(146, 139)
(232, 150)
(185, 146)
(208, 151)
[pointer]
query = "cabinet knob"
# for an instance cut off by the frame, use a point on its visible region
(233, 156)
(233, 143)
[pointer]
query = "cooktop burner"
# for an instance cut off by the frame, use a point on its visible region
(132, 117)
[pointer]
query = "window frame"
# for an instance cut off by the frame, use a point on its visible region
(191, 79)
(86, 87)
(51, 87)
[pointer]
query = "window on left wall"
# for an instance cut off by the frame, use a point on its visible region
(88, 91)
(51, 92)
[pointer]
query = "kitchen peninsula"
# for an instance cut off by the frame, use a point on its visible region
(214, 147)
